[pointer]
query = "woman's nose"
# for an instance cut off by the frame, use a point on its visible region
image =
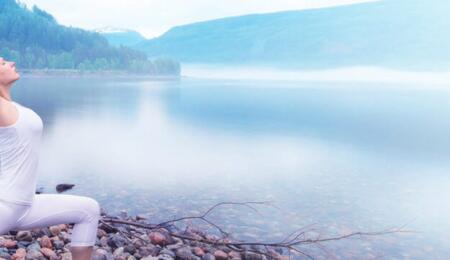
(13, 64)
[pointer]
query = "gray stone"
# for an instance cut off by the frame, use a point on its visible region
(251, 256)
(150, 250)
(118, 252)
(34, 246)
(42, 232)
(35, 255)
(186, 253)
(99, 254)
(165, 257)
(175, 246)
(98, 257)
(144, 237)
(58, 244)
(208, 256)
(116, 241)
(167, 252)
(23, 244)
(137, 242)
(104, 242)
(64, 236)
(24, 235)
(5, 255)
(129, 249)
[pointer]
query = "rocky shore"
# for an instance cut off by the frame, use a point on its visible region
(125, 242)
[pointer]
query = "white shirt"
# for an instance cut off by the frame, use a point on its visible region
(19, 155)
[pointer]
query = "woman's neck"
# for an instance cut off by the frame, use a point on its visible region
(4, 92)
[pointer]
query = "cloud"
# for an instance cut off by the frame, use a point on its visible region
(154, 17)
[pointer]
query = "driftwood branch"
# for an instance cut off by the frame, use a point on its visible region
(292, 242)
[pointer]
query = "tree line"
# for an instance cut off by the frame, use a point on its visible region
(34, 40)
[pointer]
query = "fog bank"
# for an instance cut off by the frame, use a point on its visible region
(347, 74)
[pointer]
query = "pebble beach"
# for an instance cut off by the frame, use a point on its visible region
(139, 243)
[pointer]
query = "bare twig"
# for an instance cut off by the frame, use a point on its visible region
(292, 242)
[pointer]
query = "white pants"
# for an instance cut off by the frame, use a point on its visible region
(54, 209)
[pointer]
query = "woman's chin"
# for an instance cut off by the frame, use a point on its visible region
(17, 77)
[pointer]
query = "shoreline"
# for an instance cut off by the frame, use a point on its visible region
(121, 74)
(119, 241)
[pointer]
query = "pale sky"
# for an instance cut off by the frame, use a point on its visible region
(154, 17)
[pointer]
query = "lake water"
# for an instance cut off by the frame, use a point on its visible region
(342, 157)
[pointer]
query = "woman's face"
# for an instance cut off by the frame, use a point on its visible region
(8, 73)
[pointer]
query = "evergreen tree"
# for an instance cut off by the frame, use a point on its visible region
(34, 39)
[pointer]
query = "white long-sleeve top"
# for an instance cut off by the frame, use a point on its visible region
(19, 156)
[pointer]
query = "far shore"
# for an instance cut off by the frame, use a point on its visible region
(40, 73)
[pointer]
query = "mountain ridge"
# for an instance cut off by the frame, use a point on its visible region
(396, 33)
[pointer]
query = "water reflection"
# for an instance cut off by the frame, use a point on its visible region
(400, 121)
(77, 97)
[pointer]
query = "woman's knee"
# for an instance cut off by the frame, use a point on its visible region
(95, 207)
(84, 233)
(92, 207)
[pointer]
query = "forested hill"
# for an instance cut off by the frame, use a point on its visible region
(392, 33)
(117, 36)
(34, 39)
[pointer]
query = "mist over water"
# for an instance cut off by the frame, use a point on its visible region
(343, 153)
(361, 74)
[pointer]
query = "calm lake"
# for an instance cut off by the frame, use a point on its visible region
(342, 157)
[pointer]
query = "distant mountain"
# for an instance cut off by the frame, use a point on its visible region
(394, 33)
(118, 36)
(35, 40)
